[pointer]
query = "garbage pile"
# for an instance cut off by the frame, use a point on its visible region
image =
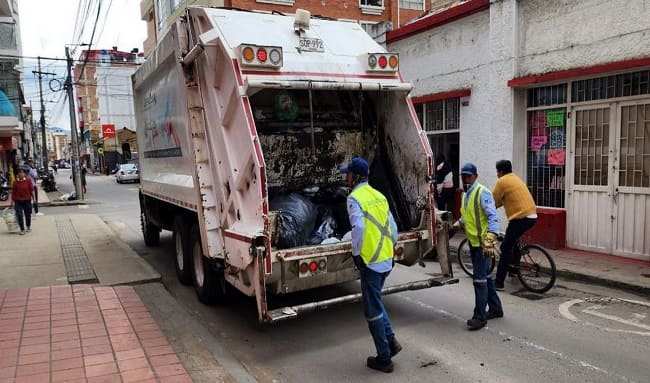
(316, 215)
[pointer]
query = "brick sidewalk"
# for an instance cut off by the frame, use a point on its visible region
(82, 333)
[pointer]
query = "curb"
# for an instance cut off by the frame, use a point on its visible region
(629, 287)
(576, 276)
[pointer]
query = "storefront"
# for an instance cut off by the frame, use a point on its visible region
(514, 80)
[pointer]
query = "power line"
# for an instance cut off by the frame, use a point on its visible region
(92, 36)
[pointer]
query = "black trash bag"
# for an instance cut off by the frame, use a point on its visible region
(296, 219)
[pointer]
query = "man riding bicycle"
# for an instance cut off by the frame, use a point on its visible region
(513, 194)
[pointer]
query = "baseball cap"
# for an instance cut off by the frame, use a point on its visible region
(357, 165)
(469, 169)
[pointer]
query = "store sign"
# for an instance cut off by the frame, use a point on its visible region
(555, 118)
(108, 130)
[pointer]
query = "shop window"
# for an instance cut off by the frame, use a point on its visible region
(546, 96)
(546, 146)
(620, 85)
(412, 4)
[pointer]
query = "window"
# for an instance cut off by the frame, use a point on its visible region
(620, 85)
(371, 3)
(634, 158)
(546, 146)
(412, 4)
(442, 115)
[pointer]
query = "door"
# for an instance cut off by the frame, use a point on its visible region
(608, 206)
(590, 192)
(631, 194)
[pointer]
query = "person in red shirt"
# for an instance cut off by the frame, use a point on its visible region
(22, 194)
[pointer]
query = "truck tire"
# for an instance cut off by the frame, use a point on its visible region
(182, 253)
(203, 276)
(150, 232)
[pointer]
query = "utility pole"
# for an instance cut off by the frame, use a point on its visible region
(40, 91)
(76, 170)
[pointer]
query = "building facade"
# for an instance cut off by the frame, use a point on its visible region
(105, 98)
(376, 16)
(570, 106)
(13, 145)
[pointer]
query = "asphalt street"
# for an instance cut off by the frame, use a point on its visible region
(575, 333)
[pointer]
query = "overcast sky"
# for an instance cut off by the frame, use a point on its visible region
(47, 25)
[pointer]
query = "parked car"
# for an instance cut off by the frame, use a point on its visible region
(127, 172)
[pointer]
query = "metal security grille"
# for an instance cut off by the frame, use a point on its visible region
(547, 156)
(547, 96)
(620, 85)
(442, 115)
(634, 159)
(591, 146)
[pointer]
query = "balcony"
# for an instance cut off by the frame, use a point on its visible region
(10, 126)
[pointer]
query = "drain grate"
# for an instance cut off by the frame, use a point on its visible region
(77, 266)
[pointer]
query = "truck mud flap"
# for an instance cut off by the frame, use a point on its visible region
(291, 312)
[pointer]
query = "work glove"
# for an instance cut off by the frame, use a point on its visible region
(358, 262)
(456, 227)
(489, 245)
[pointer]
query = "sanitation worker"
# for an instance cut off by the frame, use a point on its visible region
(374, 235)
(479, 218)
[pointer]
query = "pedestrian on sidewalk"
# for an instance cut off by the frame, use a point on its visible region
(83, 178)
(374, 235)
(479, 218)
(513, 194)
(22, 194)
(32, 174)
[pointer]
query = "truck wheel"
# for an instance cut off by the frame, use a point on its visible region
(150, 232)
(204, 276)
(182, 253)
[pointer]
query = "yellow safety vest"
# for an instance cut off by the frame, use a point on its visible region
(474, 217)
(377, 243)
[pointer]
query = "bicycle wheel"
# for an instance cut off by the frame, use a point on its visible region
(465, 259)
(536, 269)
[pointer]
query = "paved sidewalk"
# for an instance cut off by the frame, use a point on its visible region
(63, 249)
(82, 333)
(607, 270)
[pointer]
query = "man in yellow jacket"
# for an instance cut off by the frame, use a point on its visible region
(479, 218)
(513, 194)
(374, 235)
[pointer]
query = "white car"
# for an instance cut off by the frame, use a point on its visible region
(127, 172)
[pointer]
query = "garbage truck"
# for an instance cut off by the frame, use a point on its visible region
(243, 121)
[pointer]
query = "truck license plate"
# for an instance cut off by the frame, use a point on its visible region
(311, 44)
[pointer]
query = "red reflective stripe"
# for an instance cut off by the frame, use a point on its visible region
(317, 74)
(249, 116)
(235, 64)
(237, 236)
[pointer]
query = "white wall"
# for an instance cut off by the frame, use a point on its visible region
(483, 51)
(115, 96)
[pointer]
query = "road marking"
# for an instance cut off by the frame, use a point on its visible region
(565, 307)
(83, 206)
(521, 340)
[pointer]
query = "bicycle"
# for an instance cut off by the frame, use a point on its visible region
(536, 270)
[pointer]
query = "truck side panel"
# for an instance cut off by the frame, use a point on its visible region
(166, 161)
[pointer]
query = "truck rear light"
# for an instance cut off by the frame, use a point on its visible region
(383, 62)
(261, 56)
(248, 54)
(312, 266)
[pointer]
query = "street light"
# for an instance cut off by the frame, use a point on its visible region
(76, 169)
